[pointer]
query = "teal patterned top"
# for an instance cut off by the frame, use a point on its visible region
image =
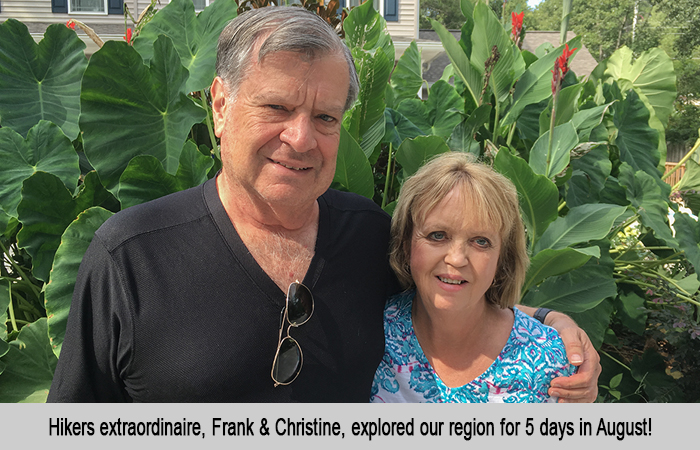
(533, 355)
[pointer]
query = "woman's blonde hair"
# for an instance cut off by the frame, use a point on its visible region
(496, 201)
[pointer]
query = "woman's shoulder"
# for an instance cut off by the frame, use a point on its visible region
(399, 305)
(533, 339)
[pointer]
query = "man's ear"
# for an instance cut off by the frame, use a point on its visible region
(219, 104)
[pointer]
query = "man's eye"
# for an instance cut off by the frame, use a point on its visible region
(437, 236)
(327, 118)
(276, 107)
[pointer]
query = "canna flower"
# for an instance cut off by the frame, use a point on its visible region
(127, 38)
(561, 66)
(71, 24)
(516, 25)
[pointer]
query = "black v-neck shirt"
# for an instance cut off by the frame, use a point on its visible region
(170, 306)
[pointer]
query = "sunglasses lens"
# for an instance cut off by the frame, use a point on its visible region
(300, 304)
(288, 362)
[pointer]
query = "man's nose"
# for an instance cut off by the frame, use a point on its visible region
(299, 133)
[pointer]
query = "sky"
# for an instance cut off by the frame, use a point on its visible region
(533, 3)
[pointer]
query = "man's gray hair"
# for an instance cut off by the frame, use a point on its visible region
(284, 29)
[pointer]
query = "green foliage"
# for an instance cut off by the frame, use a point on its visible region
(128, 129)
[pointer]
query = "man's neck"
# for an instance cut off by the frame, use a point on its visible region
(281, 238)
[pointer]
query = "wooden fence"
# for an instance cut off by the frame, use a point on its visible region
(676, 176)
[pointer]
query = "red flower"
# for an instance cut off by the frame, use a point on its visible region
(71, 24)
(516, 25)
(127, 38)
(561, 66)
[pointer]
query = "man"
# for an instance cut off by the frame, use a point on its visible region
(183, 299)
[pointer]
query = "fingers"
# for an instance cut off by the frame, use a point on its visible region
(574, 344)
(582, 387)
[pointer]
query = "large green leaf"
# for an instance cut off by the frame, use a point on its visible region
(489, 32)
(46, 210)
(631, 311)
(462, 138)
(535, 84)
(129, 109)
(595, 321)
(689, 186)
(145, 179)
(45, 149)
(470, 75)
(637, 141)
(691, 177)
(40, 82)
(595, 168)
(645, 194)
(413, 153)
(549, 263)
(366, 29)
(407, 77)
(688, 235)
(576, 291)
(439, 114)
(552, 163)
(587, 119)
(582, 224)
(74, 243)
(30, 365)
(365, 120)
(539, 197)
(398, 128)
(194, 37)
(352, 170)
(652, 75)
(567, 105)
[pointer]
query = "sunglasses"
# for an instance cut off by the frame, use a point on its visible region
(297, 310)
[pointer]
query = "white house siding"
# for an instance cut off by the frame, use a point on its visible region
(39, 11)
(407, 26)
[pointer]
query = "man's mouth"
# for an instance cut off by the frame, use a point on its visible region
(287, 166)
(451, 281)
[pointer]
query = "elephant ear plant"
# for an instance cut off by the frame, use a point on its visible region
(80, 140)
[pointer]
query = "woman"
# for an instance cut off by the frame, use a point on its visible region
(459, 243)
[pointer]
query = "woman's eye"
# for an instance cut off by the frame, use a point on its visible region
(436, 236)
(482, 242)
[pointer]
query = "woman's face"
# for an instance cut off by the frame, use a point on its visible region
(454, 255)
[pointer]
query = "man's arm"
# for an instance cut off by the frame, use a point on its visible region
(582, 387)
(87, 368)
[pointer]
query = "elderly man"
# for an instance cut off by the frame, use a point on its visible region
(183, 298)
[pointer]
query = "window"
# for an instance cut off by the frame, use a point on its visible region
(389, 9)
(200, 4)
(87, 6)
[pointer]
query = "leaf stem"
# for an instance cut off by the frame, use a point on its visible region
(511, 133)
(19, 270)
(11, 310)
(551, 129)
(681, 162)
(614, 359)
(388, 175)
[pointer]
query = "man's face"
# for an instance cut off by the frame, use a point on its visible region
(279, 135)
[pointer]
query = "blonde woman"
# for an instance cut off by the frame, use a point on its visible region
(459, 246)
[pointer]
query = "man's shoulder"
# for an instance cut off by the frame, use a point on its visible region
(163, 213)
(351, 202)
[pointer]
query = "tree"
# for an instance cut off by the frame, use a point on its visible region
(449, 12)
(604, 25)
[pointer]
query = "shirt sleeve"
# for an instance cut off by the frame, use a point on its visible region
(97, 344)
